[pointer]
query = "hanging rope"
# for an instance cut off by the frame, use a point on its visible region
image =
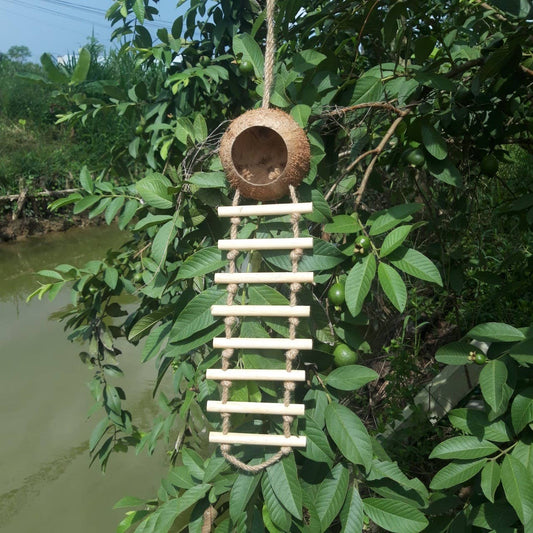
(270, 49)
(290, 355)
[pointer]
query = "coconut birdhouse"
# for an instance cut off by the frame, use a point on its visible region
(264, 152)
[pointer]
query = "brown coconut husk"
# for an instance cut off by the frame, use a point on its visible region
(263, 152)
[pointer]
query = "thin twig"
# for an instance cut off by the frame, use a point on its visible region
(377, 151)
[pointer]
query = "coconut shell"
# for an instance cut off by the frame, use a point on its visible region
(263, 152)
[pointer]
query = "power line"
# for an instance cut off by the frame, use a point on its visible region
(54, 12)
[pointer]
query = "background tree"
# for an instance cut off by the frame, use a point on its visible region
(19, 53)
(419, 117)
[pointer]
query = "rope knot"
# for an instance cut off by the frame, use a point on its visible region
(286, 450)
(227, 353)
(232, 288)
(230, 320)
(225, 448)
(232, 255)
(290, 386)
(235, 221)
(296, 254)
(295, 287)
(291, 354)
(293, 321)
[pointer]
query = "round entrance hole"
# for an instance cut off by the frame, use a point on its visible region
(264, 152)
(259, 155)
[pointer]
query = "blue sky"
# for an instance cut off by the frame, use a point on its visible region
(62, 26)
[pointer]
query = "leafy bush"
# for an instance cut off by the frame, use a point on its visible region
(403, 103)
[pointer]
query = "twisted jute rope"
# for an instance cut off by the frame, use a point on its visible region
(270, 49)
(290, 355)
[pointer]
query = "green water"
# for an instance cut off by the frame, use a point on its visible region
(45, 481)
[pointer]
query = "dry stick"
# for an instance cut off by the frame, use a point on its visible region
(379, 148)
(344, 110)
(40, 194)
(269, 53)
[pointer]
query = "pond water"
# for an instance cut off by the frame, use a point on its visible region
(46, 484)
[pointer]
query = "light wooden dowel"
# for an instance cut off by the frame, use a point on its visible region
(261, 310)
(254, 374)
(267, 209)
(261, 343)
(265, 244)
(256, 408)
(257, 439)
(264, 277)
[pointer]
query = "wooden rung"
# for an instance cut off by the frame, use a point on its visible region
(254, 374)
(264, 277)
(266, 209)
(256, 408)
(265, 244)
(257, 439)
(261, 310)
(262, 343)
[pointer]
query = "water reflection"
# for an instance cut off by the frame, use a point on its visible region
(45, 482)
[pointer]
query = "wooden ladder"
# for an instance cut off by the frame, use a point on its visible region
(288, 311)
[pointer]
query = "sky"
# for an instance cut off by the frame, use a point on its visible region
(60, 27)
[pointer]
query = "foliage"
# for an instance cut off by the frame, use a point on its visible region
(449, 246)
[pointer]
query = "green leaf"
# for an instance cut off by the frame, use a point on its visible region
(138, 9)
(393, 286)
(492, 382)
(318, 448)
(197, 314)
(394, 240)
(202, 262)
(154, 191)
(85, 180)
(358, 283)
(496, 332)
(415, 264)
(349, 434)
(324, 256)
(283, 477)
(331, 495)
(522, 409)
(433, 141)
(455, 353)
(276, 511)
(343, 224)
(477, 423)
(97, 433)
(151, 220)
(241, 492)
(394, 516)
(351, 377)
(523, 351)
(111, 277)
(54, 73)
(490, 479)
(82, 67)
(245, 44)
(114, 207)
(128, 213)
(301, 114)
(445, 171)
(463, 448)
(456, 473)
(51, 274)
(352, 512)
(141, 328)
(518, 487)
(209, 180)
(367, 89)
(307, 60)
(383, 221)
(162, 519)
(129, 501)
(85, 203)
(162, 241)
